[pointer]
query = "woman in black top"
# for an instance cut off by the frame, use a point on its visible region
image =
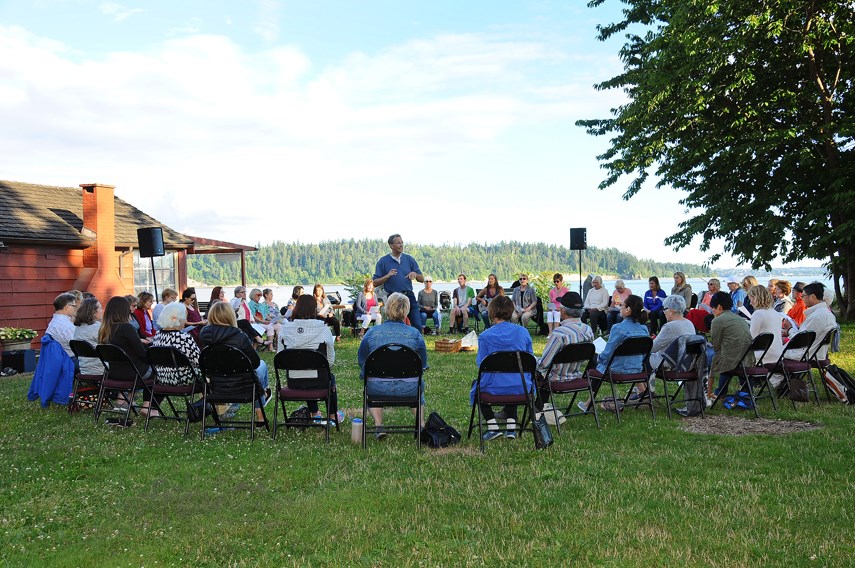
(117, 330)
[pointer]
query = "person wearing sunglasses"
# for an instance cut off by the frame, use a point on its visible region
(553, 316)
(525, 302)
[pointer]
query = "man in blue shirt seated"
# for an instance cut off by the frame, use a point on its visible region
(395, 272)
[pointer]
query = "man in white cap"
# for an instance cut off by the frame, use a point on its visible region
(737, 294)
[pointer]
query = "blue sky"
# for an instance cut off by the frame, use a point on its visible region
(255, 121)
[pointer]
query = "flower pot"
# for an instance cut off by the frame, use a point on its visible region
(16, 344)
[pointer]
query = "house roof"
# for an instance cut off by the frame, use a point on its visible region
(50, 214)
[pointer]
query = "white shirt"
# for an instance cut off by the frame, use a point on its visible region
(768, 321)
(598, 299)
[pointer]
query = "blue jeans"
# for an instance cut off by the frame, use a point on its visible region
(414, 315)
(395, 388)
(485, 317)
(613, 317)
(261, 375)
(437, 318)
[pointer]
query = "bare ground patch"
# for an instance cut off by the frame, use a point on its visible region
(724, 425)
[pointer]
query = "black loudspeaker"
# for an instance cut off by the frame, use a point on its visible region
(578, 239)
(151, 242)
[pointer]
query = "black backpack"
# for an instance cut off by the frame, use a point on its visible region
(437, 433)
(840, 383)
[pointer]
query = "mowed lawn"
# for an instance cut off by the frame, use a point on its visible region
(642, 493)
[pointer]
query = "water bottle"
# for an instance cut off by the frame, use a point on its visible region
(356, 430)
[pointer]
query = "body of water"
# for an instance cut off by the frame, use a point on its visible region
(638, 287)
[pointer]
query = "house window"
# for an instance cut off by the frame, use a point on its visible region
(166, 268)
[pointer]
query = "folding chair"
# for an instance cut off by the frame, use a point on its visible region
(584, 352)
(747, 375)
(821, 364)
(122, 377)
(392, 362)
(629, 347)
(797, 365)
(229, 377)
(514, 362)
(695, 348)
(318, 388)
(83, 349)
(171, 360)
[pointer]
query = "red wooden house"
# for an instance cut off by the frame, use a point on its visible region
(55, 239)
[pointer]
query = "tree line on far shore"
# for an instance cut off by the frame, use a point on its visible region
(336, 261)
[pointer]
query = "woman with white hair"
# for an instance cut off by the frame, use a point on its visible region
(675, 325)
(393, 330)
(596, 304)
(171, 322)
(619, 296)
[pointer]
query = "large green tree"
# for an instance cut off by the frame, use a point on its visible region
(746, 106)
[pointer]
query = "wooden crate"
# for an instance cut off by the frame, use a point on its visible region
(447, 345)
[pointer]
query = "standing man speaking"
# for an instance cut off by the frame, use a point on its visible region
(395, 273)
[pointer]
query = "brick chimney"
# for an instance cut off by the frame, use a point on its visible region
(100, 274)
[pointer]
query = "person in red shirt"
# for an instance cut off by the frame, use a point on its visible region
(797, 312)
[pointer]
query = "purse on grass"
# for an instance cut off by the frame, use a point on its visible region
(437, 433)
(539, 427)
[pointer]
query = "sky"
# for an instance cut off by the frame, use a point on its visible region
(265, 120)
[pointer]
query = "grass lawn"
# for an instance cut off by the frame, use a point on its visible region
(642, 493)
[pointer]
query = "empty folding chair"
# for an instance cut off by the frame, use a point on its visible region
(171, 366)
(228, 378)
(85, 385)
(306, 377)
(585, 355)
(519, 363)
(399, 365)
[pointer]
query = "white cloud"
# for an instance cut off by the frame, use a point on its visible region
(119, 12)
(258, 146)
(266, 25)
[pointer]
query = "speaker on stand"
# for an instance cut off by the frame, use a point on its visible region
(579, 242)
(151, 245)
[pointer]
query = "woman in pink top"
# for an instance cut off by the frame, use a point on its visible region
(619, 297)
(553, 316)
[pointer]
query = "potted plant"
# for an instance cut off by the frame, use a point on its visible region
(14, 338)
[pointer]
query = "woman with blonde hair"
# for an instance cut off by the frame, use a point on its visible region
(681, 288)
(222, 329)
(766, 320)
(747, 284)
(393, 330)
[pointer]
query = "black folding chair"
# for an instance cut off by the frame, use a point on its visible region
(581, 353)
(91, 383)
(229, 377)
(122, 378)
(629, 347)
(696, 349)
(317, 388)
(747, 375)
(393, 362)
(515, 362)
(170, 361)
(793, 364)
(822, 364)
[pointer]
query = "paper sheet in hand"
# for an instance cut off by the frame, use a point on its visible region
(599, 345)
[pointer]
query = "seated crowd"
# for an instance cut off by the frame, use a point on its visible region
(732, 320)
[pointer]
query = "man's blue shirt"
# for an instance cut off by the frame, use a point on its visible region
(398, 282)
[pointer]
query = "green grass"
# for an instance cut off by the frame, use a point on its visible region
(641, 493)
